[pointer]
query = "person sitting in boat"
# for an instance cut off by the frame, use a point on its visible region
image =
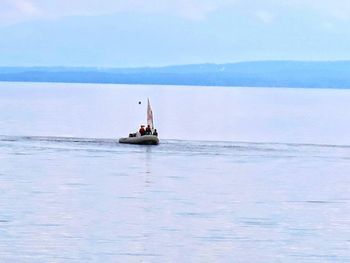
(155, 133)
(148, 130)
(142, 130)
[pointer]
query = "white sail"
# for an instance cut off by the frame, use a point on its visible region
(150, 115)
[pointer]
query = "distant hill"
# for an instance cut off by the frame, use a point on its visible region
(245, 74)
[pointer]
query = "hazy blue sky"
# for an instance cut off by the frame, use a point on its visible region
(162, 32)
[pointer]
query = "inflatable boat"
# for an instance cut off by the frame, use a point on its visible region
(144, 140)
(150, 138)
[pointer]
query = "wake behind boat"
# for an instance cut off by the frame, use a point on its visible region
(148, 136)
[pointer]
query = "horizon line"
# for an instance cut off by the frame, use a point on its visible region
(180, 65)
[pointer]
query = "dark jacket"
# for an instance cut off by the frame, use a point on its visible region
(148, 130)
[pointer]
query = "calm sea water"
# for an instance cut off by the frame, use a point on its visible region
(70, 193)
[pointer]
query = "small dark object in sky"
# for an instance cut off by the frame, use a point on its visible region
(139, 102)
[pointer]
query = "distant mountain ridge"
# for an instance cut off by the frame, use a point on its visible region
(295, 74)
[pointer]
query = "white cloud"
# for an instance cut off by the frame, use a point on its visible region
(12, 11)
(26, 7)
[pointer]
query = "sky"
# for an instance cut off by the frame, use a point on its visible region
(132, 33)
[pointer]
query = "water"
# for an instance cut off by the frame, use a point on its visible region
(71, 193)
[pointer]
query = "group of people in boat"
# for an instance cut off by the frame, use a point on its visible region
(145, 131)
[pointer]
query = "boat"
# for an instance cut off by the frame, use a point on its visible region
(148, 139)
(145, 140)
